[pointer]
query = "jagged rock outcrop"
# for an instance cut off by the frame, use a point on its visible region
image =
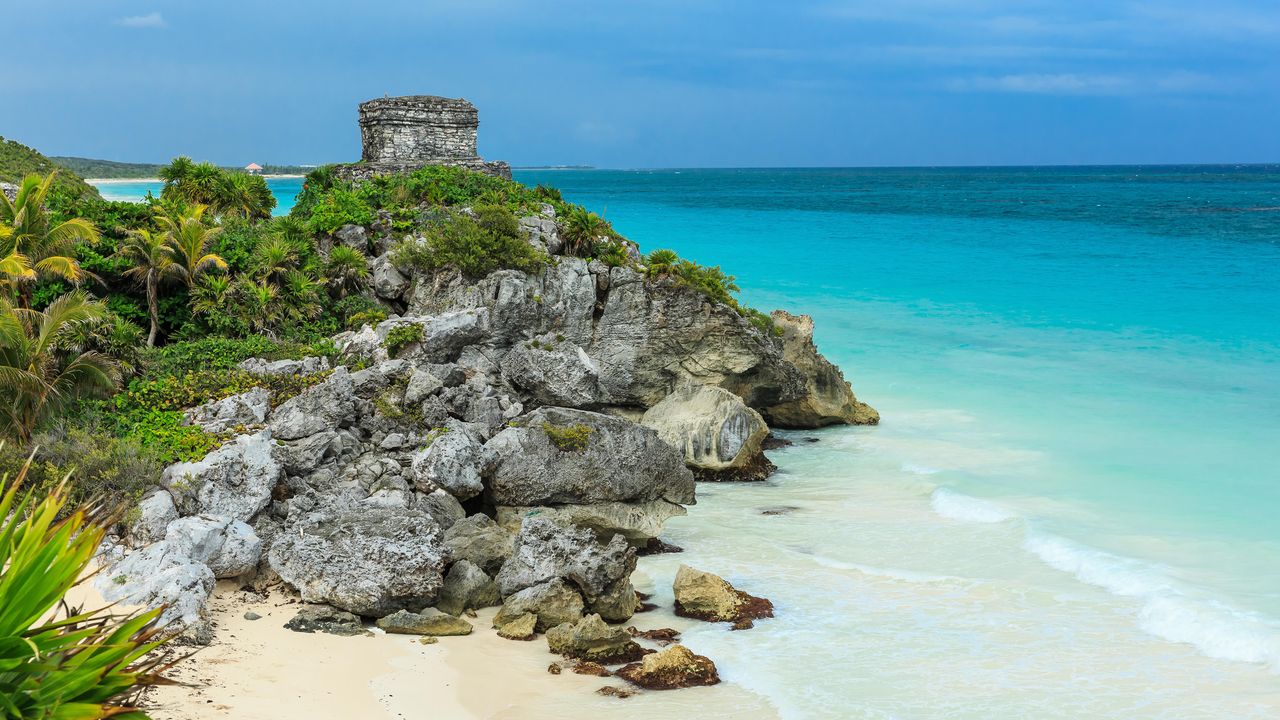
(372, 561)
(720, 436)
(546, 550)
(233, 481)
(828, 399)
(247, 408)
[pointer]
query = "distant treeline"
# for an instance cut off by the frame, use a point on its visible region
(18, 160)
(85, 167)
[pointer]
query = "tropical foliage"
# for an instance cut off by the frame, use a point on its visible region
(36, 243)
(227, 192)
(56, 661)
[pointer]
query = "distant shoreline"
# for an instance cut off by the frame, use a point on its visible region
(119, 181)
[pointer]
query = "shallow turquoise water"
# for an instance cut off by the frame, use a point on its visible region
(285, 190)
(1079, 373)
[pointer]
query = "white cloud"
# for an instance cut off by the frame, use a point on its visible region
(150, 20)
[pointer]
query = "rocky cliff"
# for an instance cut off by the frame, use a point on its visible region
(504, 439)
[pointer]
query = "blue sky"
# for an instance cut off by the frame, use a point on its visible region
(656, 84)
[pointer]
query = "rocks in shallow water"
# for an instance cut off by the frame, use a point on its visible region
(591, 668)
(828, 399)
(705, 596)
(326, 619)
(662, 636)
(592, 639)
(519, 627)
(674, 667)
(564, 456)
(482, 541)
(614, 691)
(546, 550)
(720, 437)
(428, 622)
(234, 481)
(551, 603)
(467, 587)
(370, 560)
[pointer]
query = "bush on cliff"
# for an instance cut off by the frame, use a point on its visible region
(464, 243)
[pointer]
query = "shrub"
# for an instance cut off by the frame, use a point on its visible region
(164, 436)
(197, 387)
(462, 242)
(400, 336)
(220, 353)
(366, 317)
(104, 466)
(58, 662)
(497, 220)
(613, 253)
(548, 193)
(339, 207)
(570, 438)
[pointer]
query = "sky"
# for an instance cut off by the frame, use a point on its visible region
(655, 83)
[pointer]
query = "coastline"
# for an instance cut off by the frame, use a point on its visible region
(124, 181)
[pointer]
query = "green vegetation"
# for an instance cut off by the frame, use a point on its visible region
(18, 161)
(477, 247)
(60, 662)
(89, 168)
(227, 193)
(569, 438)
(400, 337)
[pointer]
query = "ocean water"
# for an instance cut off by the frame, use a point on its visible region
(1070, 508)
(285, 190)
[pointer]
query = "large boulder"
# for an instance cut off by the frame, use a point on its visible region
(546, 550)
(828, 399)
(637, 522)
(480, 540)
(234, 481)
(229, 547)
(593, 640)
(552, 603)
(561, 455)
(320, 407)
(705, 596)
(386, 280)
(428, 622)
(554, 373)
(370, 561)
(161, 575)
(452, 463)
(217, 416)
(467, 587)
(720, 437)
(155, 511)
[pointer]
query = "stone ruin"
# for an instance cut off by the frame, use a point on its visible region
(402, 134)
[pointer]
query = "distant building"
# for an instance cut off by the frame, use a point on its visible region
(253, 168)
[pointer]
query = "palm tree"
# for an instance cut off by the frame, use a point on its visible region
(245, 196)
(347, 269)
(188, 238)
(41, 367)
(581, 229)
(274, 257)
(176, 171)
(152, 263)
(660, 264)
(48, 247)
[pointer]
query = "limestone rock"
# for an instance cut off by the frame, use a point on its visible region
(442, 506)
(717, 433)
(387, 281)
(592, 639)
(637, 522)
(467, 587)
(546, 550)
(451, 462)
(233, 481)
(422, 383)
(479, 539)
(552, 603)
(370, 561)
(157, 575)
(520, 627)
(554, 373)
(674, 667)
(616, 461)
(247, 408)
(427, 622)
(326, 619)
(828, 399)
(155, 511)
(306, 366)
(705, 596)
(318, 408)
(229, 547)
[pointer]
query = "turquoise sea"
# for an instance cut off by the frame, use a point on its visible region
(285, 189)
(1072, 506)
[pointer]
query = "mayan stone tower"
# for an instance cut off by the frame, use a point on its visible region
(401, 134)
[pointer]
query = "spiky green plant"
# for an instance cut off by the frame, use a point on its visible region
(58, 663)
(581, 229)
(47, 247)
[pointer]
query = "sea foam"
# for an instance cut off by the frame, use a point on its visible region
(1167, 611)
(958, 506)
